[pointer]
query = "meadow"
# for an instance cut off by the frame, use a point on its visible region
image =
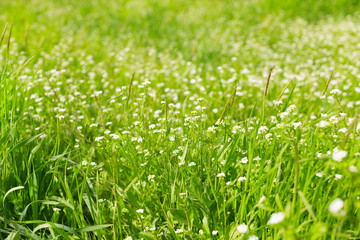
(170, 119)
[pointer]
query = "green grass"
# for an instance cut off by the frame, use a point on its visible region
(148, 119)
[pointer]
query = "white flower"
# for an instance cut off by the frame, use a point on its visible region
(322, 124)
(339, 155)
(261, 199)
(263, 129)
(353, 169)
(320, 174)
(211, 129)
(240, 179)
(179, 230)
(191, 164)
(97, 139)
(276, 218)
(338, 176)
(257, 158)
(151, 177)
(214, 232)
(140, 210)
(336, 206)
(242, 228)
(220, 175)
(201, 232)
(129, 238)
(277, 103)
(244, 160)
(335, 92)
(253, 237)
(296, 124)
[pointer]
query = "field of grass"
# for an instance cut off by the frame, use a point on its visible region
(170, 119)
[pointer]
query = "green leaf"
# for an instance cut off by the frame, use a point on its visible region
(13, 236)
(10, 191)
(93, 228)
(147, 235)
(179, 215)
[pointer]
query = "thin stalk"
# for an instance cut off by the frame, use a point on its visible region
(282, 92)
(351, 127)
(327, 83)
(265, 94)
(296, 172)
(268, 81)
(338, 102)
(3, 35)
(231, 99)
(8, 44)
(129, 92)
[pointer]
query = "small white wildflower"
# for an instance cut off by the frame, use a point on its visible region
(253, 237)
(263, 129)
(342, 130)
(211, 129)
(339, 155)
(140, 210)
(338, 176)
(242, 228)
(97, 139)
(240, 179)
(244, 160)
(335, 92)
(319, 174)
(277, 103)
(151, 177)
(219, 122)
(214, 232)
(296, 124)
(323, 124)
(276, 218)
(179, 230)
(262, 199)
(201, 232)
(129, 238)
(221, 175)
(334, 120)
(192, 164)
(268, 136)
(353, 169)
(336, 206)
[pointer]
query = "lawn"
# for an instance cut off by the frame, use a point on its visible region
(203, 119)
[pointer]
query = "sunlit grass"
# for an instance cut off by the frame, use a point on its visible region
(166, 120)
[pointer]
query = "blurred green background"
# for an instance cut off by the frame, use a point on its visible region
(187, 26)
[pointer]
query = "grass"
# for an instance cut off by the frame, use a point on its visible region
(167, 120)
